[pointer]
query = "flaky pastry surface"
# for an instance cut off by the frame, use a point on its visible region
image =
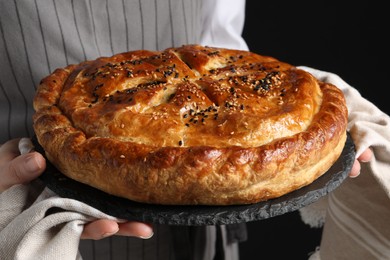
(190, 125)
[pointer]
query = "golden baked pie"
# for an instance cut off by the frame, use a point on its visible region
(190, 125)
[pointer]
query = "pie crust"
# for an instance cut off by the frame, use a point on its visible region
(190, 125)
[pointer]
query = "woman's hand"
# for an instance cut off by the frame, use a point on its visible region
(102, 228)
(20, 165)
(17, 168)
(363, 158)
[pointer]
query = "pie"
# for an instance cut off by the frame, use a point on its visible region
(190, 125)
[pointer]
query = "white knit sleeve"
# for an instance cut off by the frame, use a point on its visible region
(223, 23)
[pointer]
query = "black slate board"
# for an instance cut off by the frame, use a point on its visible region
(201, 215)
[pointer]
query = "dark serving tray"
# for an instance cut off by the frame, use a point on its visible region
(200, 215)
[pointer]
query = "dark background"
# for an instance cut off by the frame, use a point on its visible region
(346, 39)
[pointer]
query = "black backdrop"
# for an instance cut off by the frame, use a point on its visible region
(348, 40)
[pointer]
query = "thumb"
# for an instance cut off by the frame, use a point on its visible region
(23, 169)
